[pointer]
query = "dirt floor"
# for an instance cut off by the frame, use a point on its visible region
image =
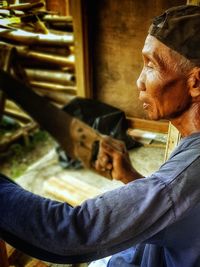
(15, 160)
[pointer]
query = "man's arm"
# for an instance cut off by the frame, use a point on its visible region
(109, 223)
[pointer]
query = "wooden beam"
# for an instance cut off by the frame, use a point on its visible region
(148, 125)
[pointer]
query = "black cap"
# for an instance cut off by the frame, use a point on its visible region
(179, 29)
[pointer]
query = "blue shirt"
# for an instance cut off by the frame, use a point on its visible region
(159, 215)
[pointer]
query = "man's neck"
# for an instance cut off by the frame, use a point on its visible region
(189, 121)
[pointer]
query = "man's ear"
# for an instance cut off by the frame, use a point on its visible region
(194, 82)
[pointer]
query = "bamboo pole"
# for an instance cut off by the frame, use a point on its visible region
(53, 87)
(12, 110)
(62, 61)
(51, 76)
(20, 116)
(56, 18)
(25, 6)
(29, 38)
(59, 98)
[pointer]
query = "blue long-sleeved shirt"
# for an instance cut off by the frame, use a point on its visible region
(158, 214)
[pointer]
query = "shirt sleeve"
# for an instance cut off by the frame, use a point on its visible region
(101, 226)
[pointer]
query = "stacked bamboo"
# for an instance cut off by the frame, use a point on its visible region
(43, 43)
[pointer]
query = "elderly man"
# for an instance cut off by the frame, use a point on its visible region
(158, 215)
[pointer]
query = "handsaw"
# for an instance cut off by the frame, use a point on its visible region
(77, 139)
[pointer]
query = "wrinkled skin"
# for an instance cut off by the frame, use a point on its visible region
(167, 93)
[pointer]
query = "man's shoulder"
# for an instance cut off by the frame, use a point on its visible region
(182, 159)
(187, 143)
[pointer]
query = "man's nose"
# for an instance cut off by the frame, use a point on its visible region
(141, 82)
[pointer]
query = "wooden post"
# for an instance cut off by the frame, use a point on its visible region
(83, 68)
(3, 255)
(173, 139)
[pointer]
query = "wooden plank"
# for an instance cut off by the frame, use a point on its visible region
(80, 25)
(172, 140)
(148, 125)
(66, 189)
(3, 255)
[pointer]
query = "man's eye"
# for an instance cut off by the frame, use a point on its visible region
(150, 65)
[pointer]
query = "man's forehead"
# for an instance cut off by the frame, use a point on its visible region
(153, 47)
(149, 44)
(158, 52)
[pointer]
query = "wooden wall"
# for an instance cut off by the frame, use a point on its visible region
(59, 6)
(118, 29)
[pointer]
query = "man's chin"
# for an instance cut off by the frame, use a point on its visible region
(152, 117)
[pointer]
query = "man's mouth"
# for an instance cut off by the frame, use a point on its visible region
(144, 100)
(145, 105)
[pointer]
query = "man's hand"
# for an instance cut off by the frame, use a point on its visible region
(113, 156)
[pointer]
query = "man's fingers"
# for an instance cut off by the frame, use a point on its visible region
(99, 167)
(111, 148)
(118, 143)
(109, 166)
(103, 162)
(104, 159)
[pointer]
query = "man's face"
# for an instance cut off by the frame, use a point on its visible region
(163, 88)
